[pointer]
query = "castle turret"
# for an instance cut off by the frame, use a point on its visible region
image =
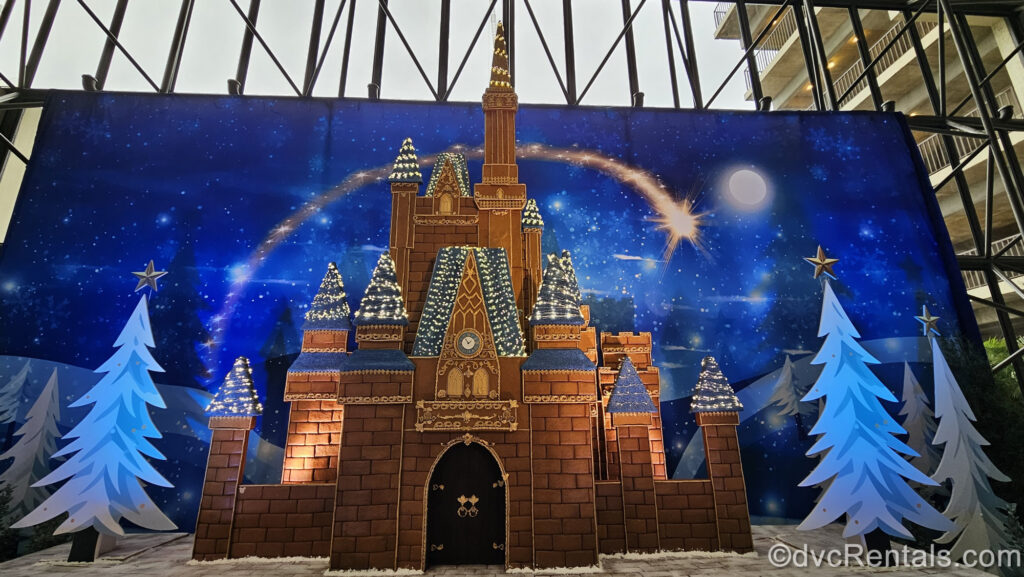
(500, 196)
(405, 182)
(717, 410)
(631, 409)
(314, 422)
(232, 413)
(533, 229)
(560, 389)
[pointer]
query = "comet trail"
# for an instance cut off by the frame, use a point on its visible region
(676, 218)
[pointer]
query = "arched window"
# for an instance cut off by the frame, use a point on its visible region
(481, 383)
(446, 204)
(455, 383)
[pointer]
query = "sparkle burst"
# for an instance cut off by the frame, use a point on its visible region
(680, 223)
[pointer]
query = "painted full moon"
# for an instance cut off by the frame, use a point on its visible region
(747, 190)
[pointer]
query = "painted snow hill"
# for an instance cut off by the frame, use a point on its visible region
(185, 440)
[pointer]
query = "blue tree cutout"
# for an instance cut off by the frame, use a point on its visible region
(866, 473)
(110, 446)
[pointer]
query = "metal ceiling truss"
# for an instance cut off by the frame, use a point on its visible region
(990, 129)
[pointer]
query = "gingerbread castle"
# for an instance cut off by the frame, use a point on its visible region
(480, 419)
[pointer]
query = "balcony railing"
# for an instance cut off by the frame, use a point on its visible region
(933, 151)
(721, 10)
(976, 278)
(765, 53)
(902, 45)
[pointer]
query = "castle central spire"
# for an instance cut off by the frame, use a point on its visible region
(500, 79)
(499, 196)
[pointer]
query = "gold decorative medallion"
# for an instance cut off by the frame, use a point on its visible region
(469, 415)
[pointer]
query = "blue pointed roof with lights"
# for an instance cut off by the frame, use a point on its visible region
(531, 216)
(407, 166)
(329, 310)
(713, 394)
(382, 303)
(629, 394)
(237, 396)
(556, 304)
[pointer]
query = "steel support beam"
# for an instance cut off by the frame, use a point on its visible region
(177, 46)
(245, 53)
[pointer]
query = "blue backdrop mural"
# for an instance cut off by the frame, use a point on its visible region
(244, 201)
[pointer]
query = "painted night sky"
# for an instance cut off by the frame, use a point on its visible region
(198, 183)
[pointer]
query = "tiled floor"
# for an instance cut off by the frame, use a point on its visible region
(167, 555)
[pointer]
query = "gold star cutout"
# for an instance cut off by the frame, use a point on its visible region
(927, 321)
(148, 277)
(822, 263)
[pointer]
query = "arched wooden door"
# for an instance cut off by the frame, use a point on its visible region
(466, 509)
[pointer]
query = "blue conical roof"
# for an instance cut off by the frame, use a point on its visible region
(629, 394)
(556, 304)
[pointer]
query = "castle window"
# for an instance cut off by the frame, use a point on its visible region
(455, 383)
(446, 204)
(481, 383)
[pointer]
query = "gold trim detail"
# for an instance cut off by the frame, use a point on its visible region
(487, 203)
(388, 400)
(507, 100)
(430, 219)
(467, 415)
(310, 396)
(379, 333)
(376, 372)
(499, 180)
(589, 374)
(324, 350)
(560, 399)
(626, 348)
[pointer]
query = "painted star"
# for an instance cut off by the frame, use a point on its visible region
(822, 264)
(927, 321)
(148, 277)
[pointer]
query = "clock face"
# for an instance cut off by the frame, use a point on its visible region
(467, 343)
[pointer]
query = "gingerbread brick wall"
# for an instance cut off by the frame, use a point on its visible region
(686, 515)
(325, 340)
(283, 521)
(224, 469)
(611, 526)
(299, 386)
(558, 385)
(639, 504)
(366, 511)
(564, 526)
(422, 450)
(377, 387)
(721, 446)
(314, 434)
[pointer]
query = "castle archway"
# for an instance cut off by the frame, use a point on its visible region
(466, 507)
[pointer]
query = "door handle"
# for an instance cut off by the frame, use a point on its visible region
(470, 511)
